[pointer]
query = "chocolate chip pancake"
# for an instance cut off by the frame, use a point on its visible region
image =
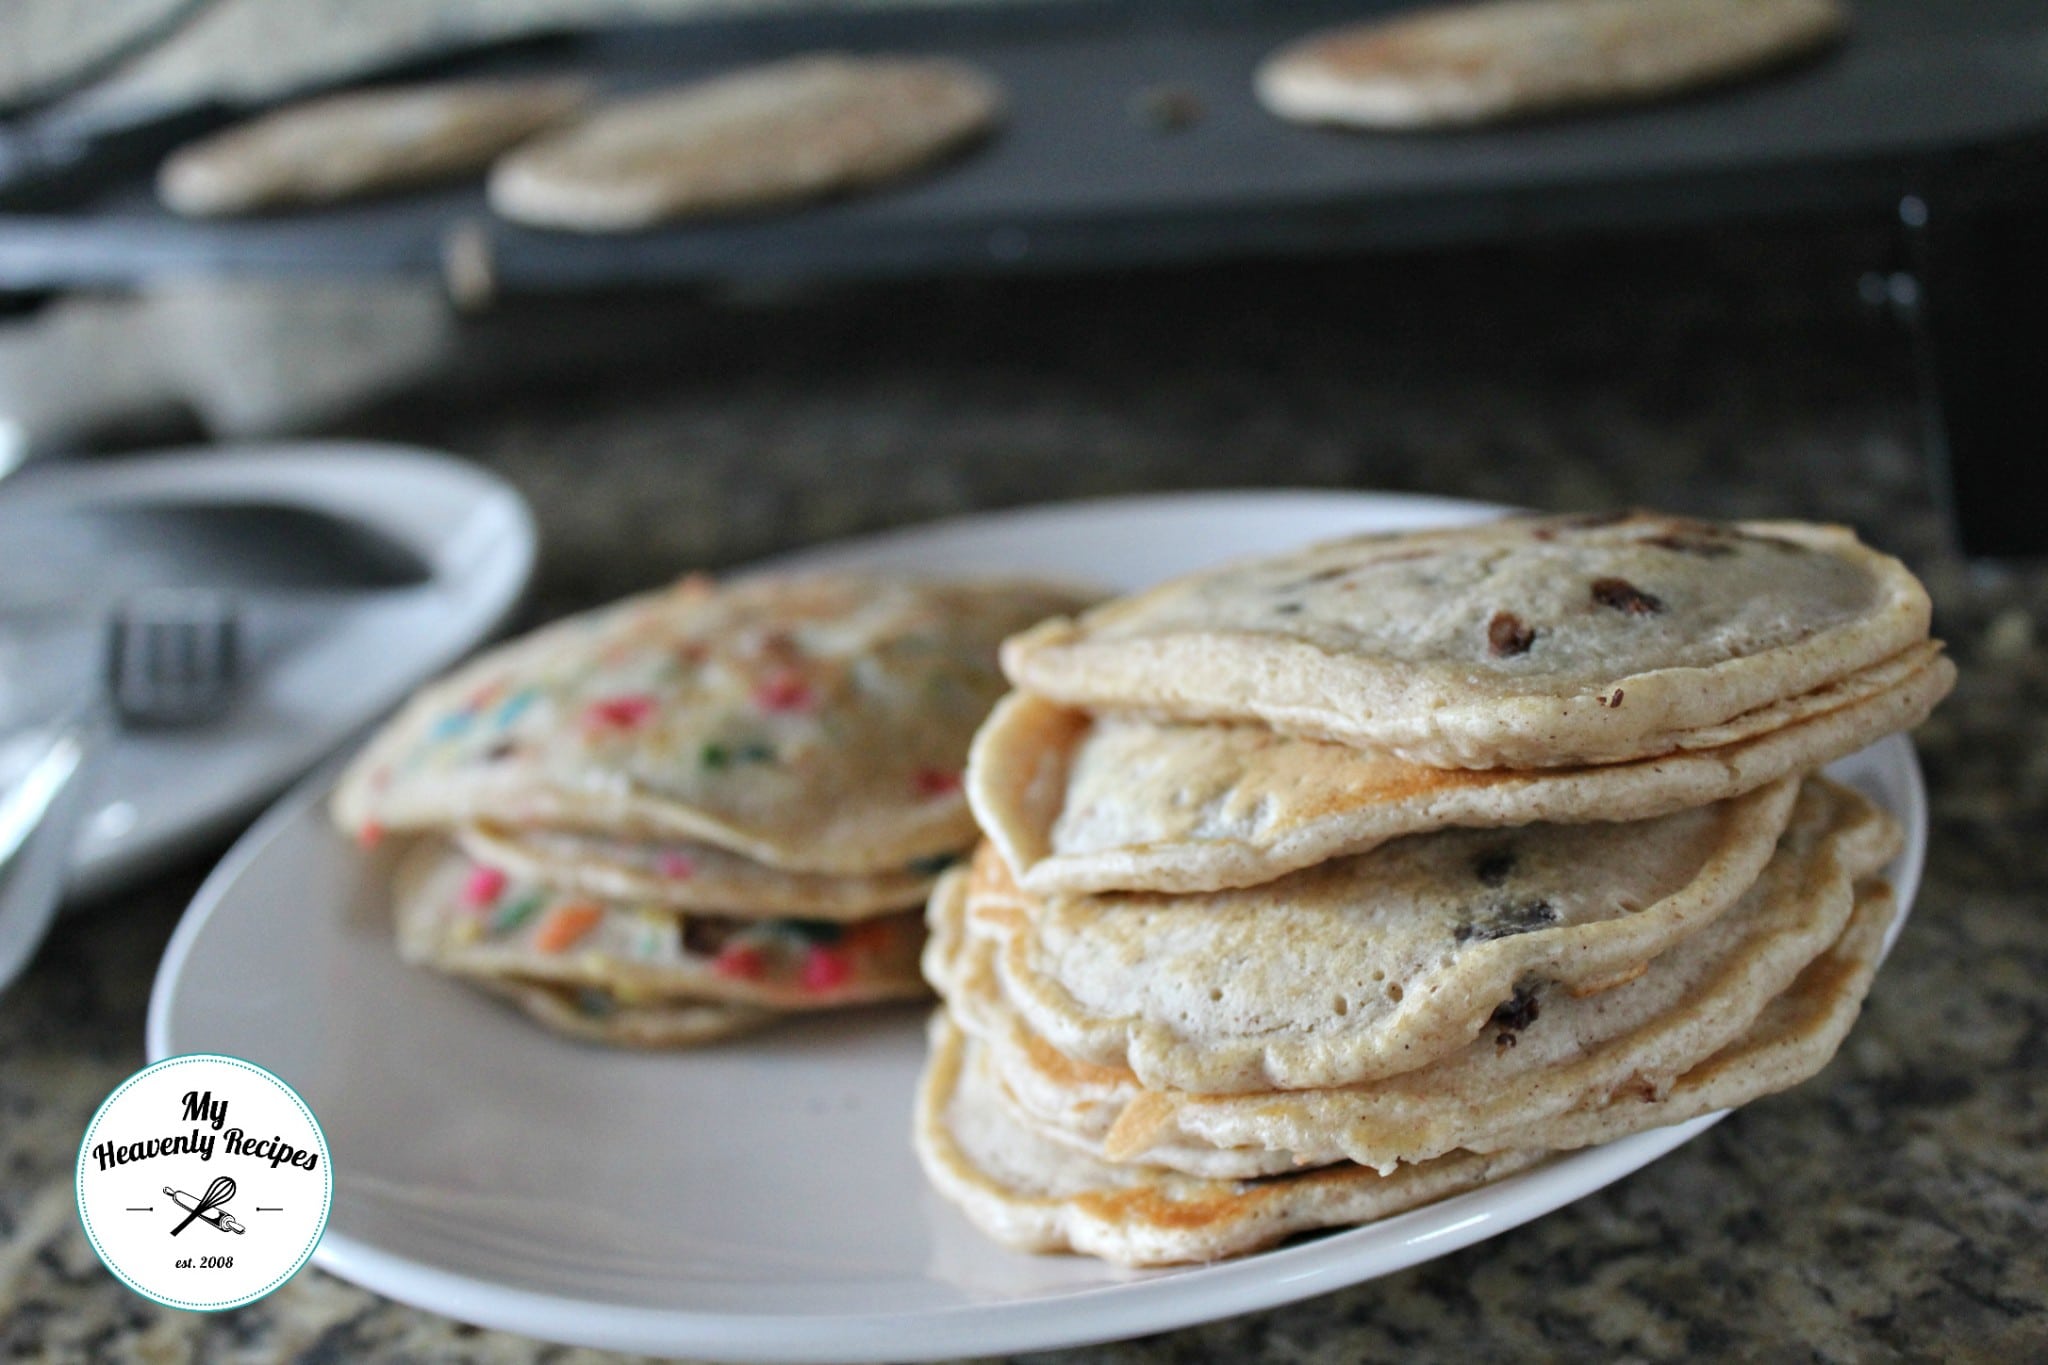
(1532, 642)
(1034, 1194)
(1364, 967)
(1084, 804)
(1546, 1053)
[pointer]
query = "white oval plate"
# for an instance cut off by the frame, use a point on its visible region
(341, 660)
(756, 1200)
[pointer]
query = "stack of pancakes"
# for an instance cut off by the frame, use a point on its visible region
(1324, 885)
(691, 812)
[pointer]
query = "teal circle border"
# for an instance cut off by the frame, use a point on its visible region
(327, 1164)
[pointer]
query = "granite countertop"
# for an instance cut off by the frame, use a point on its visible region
(1897, 1206)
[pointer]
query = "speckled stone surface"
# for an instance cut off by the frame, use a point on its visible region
(1894, 1208)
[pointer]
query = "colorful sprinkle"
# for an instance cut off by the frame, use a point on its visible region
(515, 913)
(651, 944)
(618, 713)
(451, 725)
(482, 887)
(369, 834)
(826, 969)
(485, 695)
(740, 961)
(783, 691)
(566, 925)
(677, 867)
(704, 935)
(934, 782)
(719, 757)
(515, 706)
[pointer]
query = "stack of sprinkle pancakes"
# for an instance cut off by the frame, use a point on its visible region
(692, 812)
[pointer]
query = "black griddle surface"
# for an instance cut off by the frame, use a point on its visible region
(1078, 176)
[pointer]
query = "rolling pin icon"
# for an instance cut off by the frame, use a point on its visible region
(207, 1207)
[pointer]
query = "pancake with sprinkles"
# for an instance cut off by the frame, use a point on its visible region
(815, 724)
(695, 811)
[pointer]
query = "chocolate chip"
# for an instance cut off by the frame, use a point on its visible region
(1494, 866)
(1507, 635)
(1503, 919)
(1514, 1014)
(500, 751)
(1288, 609)
(1623, 595)
(704, 935)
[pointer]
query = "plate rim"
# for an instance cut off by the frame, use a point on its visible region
(1182, 1297)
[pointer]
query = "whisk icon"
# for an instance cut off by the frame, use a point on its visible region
(207, 1206)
